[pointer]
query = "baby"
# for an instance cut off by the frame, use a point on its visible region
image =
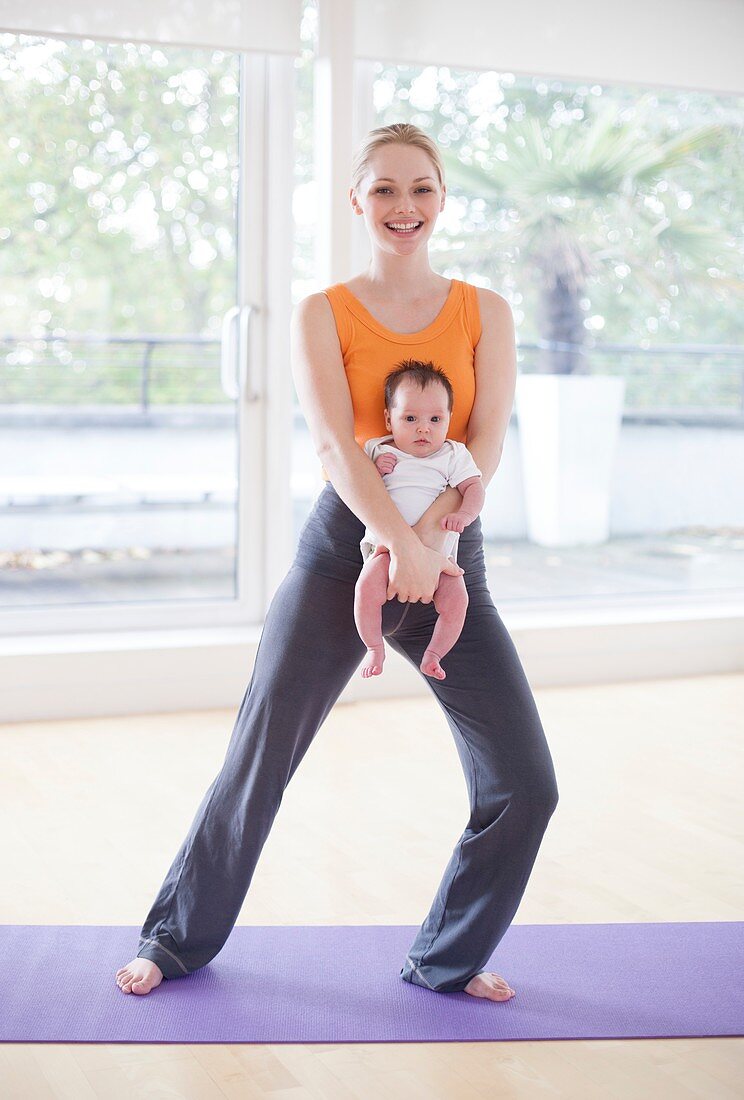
(417, 462)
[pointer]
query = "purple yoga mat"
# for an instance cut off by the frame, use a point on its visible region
(332, 984)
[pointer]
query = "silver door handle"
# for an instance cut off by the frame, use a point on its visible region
(247, 380)
(236, 367)
(227, 355)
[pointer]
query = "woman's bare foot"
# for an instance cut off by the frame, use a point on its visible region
(489, 985)
(139, 976)
(430, 665)
(374, 661)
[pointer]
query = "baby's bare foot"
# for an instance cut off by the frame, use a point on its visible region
(430, 665)
(489, 985)
(374, 661)
(139, 976)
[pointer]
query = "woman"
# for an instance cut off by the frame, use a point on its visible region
(344, 341)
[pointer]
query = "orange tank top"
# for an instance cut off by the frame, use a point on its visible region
(370, 351)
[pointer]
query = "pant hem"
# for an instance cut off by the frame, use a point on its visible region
(170, 966)
(409, 973)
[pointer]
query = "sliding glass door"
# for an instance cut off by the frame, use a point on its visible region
(126, 325)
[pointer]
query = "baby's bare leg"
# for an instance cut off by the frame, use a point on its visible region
(451, 601)
(369, 596)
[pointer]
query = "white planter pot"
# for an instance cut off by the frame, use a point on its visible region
(568, 430)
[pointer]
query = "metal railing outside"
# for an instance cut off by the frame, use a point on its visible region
(679, 383)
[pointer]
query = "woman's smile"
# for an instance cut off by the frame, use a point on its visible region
(404, 228)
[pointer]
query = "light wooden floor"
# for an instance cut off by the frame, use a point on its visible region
(648, 828)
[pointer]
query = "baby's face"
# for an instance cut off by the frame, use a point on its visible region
(419, 419)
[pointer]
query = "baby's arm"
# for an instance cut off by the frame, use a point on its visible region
(473, 497)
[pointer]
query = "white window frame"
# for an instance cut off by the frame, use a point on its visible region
(264, 521)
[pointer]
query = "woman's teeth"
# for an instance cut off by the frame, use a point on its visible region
(403, 227)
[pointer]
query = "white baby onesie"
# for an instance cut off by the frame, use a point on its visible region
(416, 482)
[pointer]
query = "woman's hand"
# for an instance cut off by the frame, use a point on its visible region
(415, 570)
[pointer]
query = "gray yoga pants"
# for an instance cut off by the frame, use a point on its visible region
(308, 651)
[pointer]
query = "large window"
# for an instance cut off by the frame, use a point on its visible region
(118, 444)
(609, 217)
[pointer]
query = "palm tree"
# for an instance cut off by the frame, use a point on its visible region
(552, 184)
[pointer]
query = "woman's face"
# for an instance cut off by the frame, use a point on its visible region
(400, 189)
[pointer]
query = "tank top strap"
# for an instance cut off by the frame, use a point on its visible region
(472, 312)
(336, 295)
(341, 316)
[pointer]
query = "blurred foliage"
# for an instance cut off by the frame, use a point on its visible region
(631, 199)
(117, 202)
(602, 213)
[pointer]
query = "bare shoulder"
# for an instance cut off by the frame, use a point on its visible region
(355, 283)
(315, 307)
(493, 306)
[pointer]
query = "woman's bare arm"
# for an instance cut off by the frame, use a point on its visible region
(495, 379)
(323, 393)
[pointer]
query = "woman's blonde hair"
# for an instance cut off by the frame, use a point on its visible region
(401, 133)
